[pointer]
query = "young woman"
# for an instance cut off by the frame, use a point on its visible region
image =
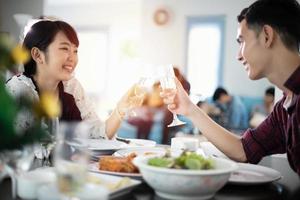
(53, 48)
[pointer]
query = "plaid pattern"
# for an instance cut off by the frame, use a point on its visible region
(280, 132)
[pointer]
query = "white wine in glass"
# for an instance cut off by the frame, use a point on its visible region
(140, 91)
(167, 82)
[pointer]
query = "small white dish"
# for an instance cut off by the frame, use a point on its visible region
(211, 150)
(88, 192)
(99, 187)
(249, 174)
(184, 143)
(29, 182)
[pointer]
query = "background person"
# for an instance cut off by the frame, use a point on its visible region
(233, 113)
(261, 111)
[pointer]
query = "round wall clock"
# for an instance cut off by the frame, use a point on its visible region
(161, 16)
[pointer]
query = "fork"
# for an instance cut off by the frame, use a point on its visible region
(128, 141)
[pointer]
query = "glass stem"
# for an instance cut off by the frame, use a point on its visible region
(175, 118)
(13, 178)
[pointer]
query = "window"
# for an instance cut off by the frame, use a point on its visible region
(92, 65)
(205, 43)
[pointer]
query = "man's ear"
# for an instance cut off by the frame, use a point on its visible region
(269, 35)
(36, 55)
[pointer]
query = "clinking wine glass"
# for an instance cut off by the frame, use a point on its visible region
(142, 87)
(167, 82)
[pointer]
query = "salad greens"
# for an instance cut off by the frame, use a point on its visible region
(187, 160)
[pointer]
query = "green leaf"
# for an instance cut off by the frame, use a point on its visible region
(192, 163)
(161, 162)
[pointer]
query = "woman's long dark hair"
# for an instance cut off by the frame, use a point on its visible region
(41, 35)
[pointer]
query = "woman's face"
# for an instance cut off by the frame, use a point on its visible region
(60, 58)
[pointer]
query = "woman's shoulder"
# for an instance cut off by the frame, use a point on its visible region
(20, 84)
(71, 85)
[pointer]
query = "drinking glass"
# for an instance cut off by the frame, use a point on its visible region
(71, 158)
(15, 162)
(167, 82)
(44, 149)
(142, 87)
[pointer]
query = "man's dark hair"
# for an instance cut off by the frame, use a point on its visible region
(281, 15)
(41, 35)
(270, 91)
(218, 93)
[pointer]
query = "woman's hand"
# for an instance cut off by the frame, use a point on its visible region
(129, 101)
(181, 104)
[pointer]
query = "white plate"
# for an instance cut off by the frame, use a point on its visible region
(108, 179)
(94, 167)
(102, 144)
(249, 174)
(141, 151)
(140, 143)
(98, 189)
(106, 145)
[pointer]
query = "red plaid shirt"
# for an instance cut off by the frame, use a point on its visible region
(280, 132)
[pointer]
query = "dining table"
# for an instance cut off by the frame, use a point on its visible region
(286, 188)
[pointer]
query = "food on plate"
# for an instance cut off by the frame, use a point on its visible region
(118, 164)
(187, 160)
(123, 182)
(150, 153)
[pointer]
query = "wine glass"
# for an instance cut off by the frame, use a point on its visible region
(71, 158)
(167, 83)
(141, 88)
(44, 150)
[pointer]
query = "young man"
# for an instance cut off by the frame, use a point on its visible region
(268, 35)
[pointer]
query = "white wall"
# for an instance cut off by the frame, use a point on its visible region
(167, 44)
(122, 19)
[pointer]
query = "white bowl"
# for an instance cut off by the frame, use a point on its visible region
(29, 182)
(184, 183)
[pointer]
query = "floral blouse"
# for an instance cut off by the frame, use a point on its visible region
(72, 96)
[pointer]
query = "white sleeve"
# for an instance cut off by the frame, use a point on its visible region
(17, 87)
(20, 86)
(86, 108)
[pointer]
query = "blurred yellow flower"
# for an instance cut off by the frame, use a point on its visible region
(20, 54)
(11, 138)
(49, 105)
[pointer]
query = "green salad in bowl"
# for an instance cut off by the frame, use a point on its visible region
(187, 160)
(188, 176)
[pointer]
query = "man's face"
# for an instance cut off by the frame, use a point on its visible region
(252, 53)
